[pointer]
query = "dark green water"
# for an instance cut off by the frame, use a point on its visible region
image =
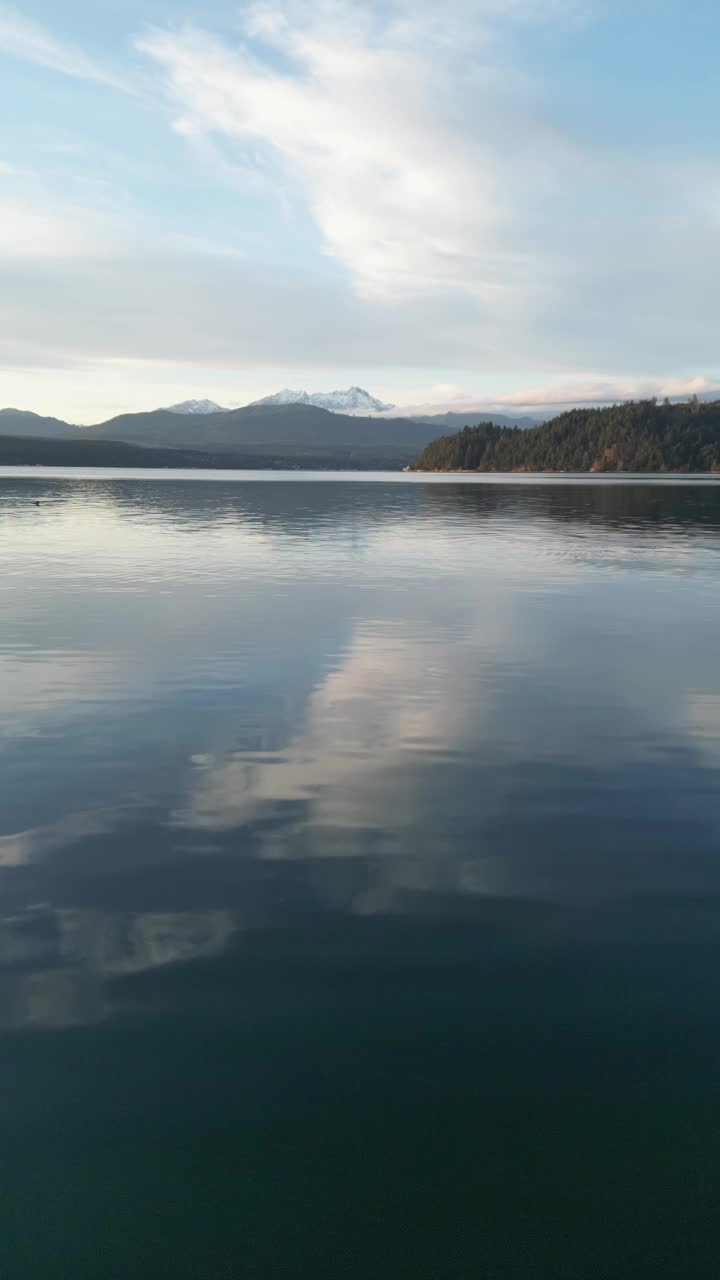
(359, 879)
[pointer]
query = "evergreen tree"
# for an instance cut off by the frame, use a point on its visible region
(637, 436)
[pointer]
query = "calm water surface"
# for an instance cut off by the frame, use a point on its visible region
(359, 878)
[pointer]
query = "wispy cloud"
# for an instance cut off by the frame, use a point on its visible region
(561, 395)
(434, 173)
(474, 227)
(31, 230)
(373, 117)
(21, 37)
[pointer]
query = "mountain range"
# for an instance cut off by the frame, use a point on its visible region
(268, 433)
(290, 435)
(353, 400)
(634, 435)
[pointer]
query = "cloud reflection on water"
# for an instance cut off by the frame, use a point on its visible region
(387, 698)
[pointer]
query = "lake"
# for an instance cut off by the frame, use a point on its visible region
(359, 877)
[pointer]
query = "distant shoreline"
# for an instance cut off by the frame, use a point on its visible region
(33, 451)
(37, 473)
(591, 473)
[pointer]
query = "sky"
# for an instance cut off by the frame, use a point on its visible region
(502, 203)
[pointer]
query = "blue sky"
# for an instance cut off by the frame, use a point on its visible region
(506, 203)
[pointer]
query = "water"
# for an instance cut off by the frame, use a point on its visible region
(359, 878)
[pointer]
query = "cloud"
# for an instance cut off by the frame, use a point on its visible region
(83, 285)
(559, 396)
(163, 303)
(35, 230)
(439, 179)
(375, 119)
(609, 390)
(22, 38)
(90, 289)
(468, 225)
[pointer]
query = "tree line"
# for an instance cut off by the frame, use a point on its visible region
(634, 436)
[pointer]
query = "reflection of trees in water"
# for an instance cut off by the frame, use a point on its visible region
(622, 504)
(295, 508)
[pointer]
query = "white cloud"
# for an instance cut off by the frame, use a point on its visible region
(35, 230)
(437, 177)
(464, 221)
(23, 38)
(561, 395)
(97, 288)
(375, 119)
(97, 291)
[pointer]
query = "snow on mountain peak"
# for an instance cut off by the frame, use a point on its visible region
(195, 406)
(286, 396)
(355, 400)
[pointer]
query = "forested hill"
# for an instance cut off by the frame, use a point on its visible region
(637, 436)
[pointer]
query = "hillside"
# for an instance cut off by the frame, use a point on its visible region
(638, 437)
(25, 451)
(294, 435)
(84, 451)
(20, 422)
(296, 430)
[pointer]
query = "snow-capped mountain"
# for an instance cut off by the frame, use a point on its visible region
(353, 400)
(195, 406)
(283, 397)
